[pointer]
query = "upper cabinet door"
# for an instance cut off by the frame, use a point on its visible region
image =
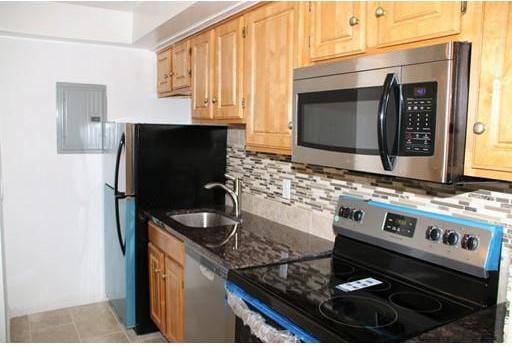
(228, 71)
(336, 28)
(401, 22)
(270, 56)
(202, 75)
(492, 129)
(181, 65)
(163, 73)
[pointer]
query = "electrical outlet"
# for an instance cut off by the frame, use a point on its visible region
(287, 188)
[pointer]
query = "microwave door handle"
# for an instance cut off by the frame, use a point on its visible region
(388, 160)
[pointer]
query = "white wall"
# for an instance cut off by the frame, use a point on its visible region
(53, 204)
(147, 15)
(61, 20)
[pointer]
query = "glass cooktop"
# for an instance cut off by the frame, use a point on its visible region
(348, 300)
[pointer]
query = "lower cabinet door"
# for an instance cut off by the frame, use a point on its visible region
(173, 292)
(156, 287)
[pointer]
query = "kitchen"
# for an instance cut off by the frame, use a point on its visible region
(158, 158)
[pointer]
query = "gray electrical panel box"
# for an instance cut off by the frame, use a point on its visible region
(82, 109)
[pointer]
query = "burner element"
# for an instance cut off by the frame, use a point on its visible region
(358, 312)
(342, 269)
(416, 302)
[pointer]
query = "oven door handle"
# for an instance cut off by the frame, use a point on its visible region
(388, 160)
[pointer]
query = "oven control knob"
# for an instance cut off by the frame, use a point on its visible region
(470, 242)
(346, 212)
(434, 233)
(451, 237)
(357, 215)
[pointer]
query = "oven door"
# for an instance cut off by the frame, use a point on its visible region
(348, 121)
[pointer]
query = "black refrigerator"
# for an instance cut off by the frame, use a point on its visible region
(149, 167)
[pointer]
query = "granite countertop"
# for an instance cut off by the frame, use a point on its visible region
(258, 241)
(482, 326)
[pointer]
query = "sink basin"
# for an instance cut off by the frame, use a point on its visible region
(203, 219)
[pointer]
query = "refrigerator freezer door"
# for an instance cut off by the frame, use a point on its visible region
(119, 139)
(120, 269)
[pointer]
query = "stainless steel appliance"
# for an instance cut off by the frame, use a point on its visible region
(395, 273)
(401, 113)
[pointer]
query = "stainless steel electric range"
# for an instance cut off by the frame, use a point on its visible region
(395, 272)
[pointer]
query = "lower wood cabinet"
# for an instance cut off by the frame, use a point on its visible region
(165, 261)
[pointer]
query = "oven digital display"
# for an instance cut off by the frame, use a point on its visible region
(400, 224)
(420, 91)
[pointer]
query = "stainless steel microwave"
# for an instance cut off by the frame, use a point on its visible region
(402, 113)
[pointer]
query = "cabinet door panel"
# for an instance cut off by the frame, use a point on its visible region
(156, 297)
(163, 73)
(405, 21)
(201, 75)
(228, 80)
(493, 148)
(174, 300)
(270, 55)
(337, 28)
(181, 65)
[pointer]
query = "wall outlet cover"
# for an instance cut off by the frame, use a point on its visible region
(287, 188)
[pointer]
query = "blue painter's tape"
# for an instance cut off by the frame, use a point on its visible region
(268, 312)
(493, 255)
(129, 235)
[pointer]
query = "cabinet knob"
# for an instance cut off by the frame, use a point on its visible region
(156, 270)
(353, 21)
(164, 276)
(171, 74)
(214, 100)
(205, 101)
(166, 76)
(379, 12)
(478, 128)
(290, 125)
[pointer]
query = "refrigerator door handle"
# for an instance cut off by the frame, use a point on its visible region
(119, 195)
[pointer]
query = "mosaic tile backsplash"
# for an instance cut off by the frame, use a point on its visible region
(315, 189)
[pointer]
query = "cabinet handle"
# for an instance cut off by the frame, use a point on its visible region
(290, 125)
(214, 100)
(164, 276)
(205, 101)
(479, 128)
(379, 12)
(171, 74)
(353, 21)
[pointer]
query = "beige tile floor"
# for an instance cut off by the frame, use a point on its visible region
(86, 323)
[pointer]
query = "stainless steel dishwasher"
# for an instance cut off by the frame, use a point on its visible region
(208, 318)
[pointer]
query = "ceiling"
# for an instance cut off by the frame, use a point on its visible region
(125, 6)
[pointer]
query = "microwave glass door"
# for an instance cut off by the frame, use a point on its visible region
(346, 120)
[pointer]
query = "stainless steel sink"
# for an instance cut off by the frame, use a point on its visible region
(203, 219)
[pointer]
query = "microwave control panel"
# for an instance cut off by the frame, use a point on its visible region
(418, 121)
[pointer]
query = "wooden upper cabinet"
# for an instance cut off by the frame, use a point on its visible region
(174, 314)
(156, 295)
(401, 22)
(164, 85)
(181, 66)
(270, 56)
(336, 28)
(228, 71)
(491, 131)
(202, 73)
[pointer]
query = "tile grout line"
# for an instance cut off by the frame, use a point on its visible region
(121, 326)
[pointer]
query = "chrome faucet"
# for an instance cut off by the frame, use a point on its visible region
(236, 194)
